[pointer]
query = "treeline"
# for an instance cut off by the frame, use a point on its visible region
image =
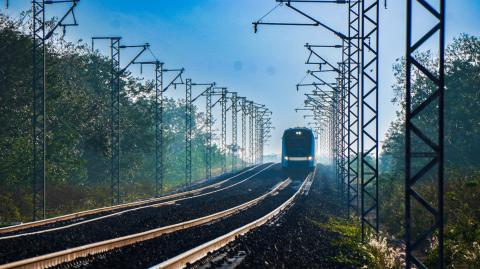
(462, 158)
(78, 130)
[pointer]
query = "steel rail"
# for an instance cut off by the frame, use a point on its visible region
(133, 209)
(56, 258)
(141, 207)
(27, 225)
(195, 254)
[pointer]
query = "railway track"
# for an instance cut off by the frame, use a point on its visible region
(189, 245)
(193, 255)
(302, 237)
(69, 255)
(59, 244)
(70, 220)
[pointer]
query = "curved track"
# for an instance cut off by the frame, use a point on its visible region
(139, 221)
(195, 254)
(185, 245)
(66, 220)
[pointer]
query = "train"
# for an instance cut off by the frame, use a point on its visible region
(298, 149)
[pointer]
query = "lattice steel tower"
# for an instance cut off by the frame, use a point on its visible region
(244, 130)
(353, 75)
(39, 118)
(369, 116)
(188, 132)
(208, 142)
(234, 147)
(223, 144)
(424, 145)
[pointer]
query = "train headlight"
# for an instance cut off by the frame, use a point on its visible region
(286, 158)
(310, 158)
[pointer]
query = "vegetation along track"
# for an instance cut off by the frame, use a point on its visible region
(138, 221)
(161, 249)
(65, 220)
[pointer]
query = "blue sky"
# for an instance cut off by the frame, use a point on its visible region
(214, 41)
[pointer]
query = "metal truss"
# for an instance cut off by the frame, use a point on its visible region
(353, 74)
(369, 116)
(259, 113)
(234, 147)
(264, 131)
(188, 132)
(341, 135)
(159, 129)
(39, 118)
(342, 132)
(208, 126)
(223, 142)
(321, 104)
(349, 106)
(244, 130)
(330, 140)
(260, 146)
(223, 130)
(256, 136)
(424, 146)
(355, 112)
(208, 138)
(260, 125)
(116, 73)
(159, 126)
(115, 121)
(335, 99)
(342, 86)
(251, 112)
(338, 101)
(158, 69)
(260, 140)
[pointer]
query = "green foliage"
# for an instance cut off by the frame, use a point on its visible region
(375, 253)
(462, 122)
(347, 241)
(78, 129)
(462, 232)
(462, 161)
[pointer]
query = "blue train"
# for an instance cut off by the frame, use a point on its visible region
(298, 149)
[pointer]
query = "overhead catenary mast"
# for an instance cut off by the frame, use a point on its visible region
(117, 72)
(40, 34)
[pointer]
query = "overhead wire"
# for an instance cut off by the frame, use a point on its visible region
(268, 13)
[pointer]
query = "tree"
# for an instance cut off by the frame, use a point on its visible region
(78, 129)
(462, 161)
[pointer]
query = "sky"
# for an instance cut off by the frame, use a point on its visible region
(214, 41)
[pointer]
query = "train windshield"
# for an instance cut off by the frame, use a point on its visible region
(298, 143)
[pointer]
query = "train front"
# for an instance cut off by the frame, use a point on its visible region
(298, 149)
